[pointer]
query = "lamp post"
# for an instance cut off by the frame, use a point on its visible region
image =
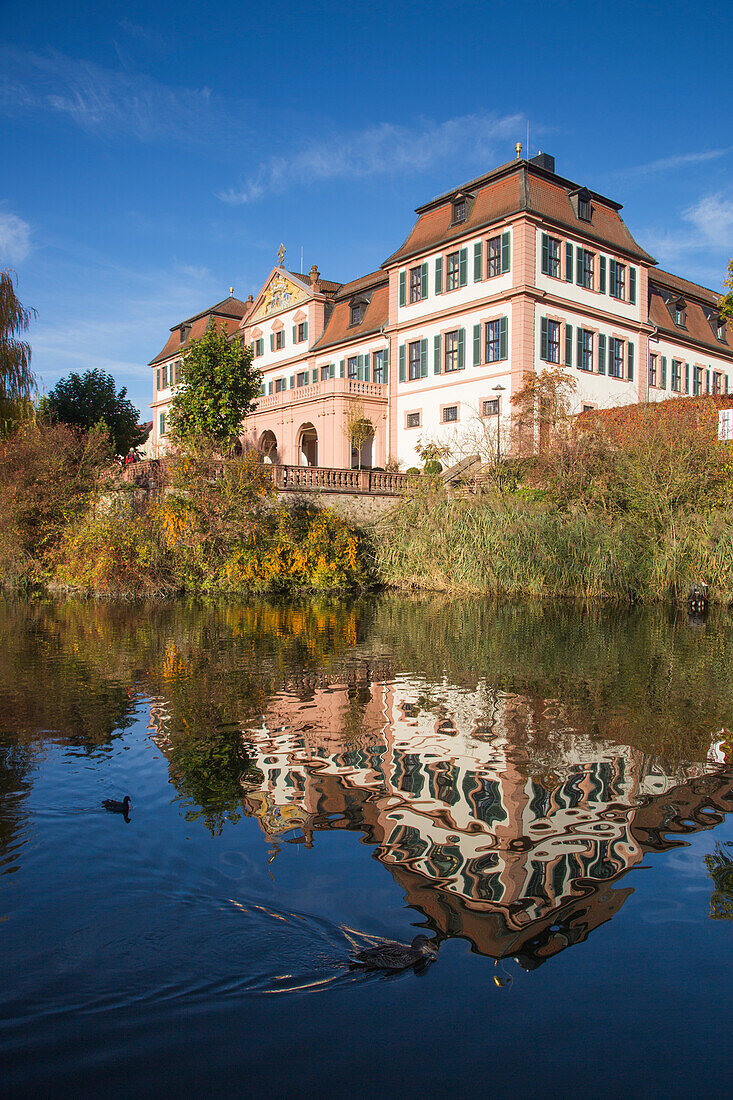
(498, 390)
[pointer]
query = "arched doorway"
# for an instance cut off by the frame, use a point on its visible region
(308, 446)
(268, 446)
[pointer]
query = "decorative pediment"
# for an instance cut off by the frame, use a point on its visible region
(256, 333)
(277, 326)
(278, 293)
(301, 315)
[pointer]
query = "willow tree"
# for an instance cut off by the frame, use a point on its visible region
(17, 381)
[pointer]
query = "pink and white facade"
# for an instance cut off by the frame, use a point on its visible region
(516, 271)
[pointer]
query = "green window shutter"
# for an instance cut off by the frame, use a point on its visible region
(437, 366)
(159, 387)
(543, 338)
(402, 362)
(630, 361)
(262, 389)
(292, 381)
(602, 275)
(461, 348)
(579, 348)
(478, 261)
(476, 345)
(601, 353)
(315, 375)
(305, 330)
(568, 262)
(503, 338)
(342, 368)
(506, 260)
(687, 377)
(331, 370)
(366, 366)
(295, 334)
(726, 383)
(272, 341)
(568, 345)
(423, 281)
(402, 288)
(707, 381)
(611, 276)
(632, 285)
(360, 367)
(663, 372)
(269, 387)
(463, 267)
(545, 254)
(439, 275)
(385, 365)
(423, 358)
(579, 265)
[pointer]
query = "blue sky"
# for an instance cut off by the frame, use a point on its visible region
(157, 153)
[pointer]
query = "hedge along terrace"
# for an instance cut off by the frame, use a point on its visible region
(218, 528)
(628, 504)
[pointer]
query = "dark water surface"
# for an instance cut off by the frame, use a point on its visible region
(545, 793)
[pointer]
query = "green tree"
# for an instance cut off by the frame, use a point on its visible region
(218, 388)
(726, 302)
(358, 428)
(17, 381)
(90, 399)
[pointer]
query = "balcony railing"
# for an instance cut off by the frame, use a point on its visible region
(313, 391)
(286, 478)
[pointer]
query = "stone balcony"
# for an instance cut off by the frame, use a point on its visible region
(316, 391)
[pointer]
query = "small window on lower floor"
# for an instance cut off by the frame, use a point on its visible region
(587, 408)
(161, 424)
(717, 382)
(490, 407)
(413, 420)
(450, 414)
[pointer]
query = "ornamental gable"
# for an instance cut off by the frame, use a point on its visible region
(280, 292)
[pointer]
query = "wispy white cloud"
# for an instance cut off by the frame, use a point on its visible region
(194, 272)
(104, 101)
(15, 238)
(701, 240)
(666, 164)
(712, 217)
(379, 150)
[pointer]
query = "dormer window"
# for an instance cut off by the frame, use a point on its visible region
(183, 333)
(720, 329)
(680, 311)
(356, 313)
(459, 211)
(584, 205)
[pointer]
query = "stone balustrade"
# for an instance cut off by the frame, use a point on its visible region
(314, 391)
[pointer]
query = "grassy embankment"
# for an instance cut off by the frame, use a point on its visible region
(629, 506)
(632, 505)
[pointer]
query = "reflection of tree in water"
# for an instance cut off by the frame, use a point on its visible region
(720, 869)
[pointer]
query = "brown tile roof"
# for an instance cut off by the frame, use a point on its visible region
(376, 314)
(698, 328)
(510, 189)
(173, 344)
(684, 286)
(228, 307)
(324, 286)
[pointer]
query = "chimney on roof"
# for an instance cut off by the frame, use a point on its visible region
(518, 150)
(313, 277)
(544, 160)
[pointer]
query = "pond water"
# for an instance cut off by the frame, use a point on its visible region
(546, 794)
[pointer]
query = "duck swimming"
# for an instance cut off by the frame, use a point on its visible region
(393, 957)
(116, 807)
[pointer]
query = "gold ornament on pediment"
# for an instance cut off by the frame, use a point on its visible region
(280, 294)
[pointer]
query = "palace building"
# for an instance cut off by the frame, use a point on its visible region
(516, 271)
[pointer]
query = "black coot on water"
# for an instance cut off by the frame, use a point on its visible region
(116, 807)
(396, 956)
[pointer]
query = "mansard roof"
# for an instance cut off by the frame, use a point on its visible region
(375, 289)
(518, 187)
(323, 286)
(230, 311)
(701, 304)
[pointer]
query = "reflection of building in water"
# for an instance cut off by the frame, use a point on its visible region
(500, 821)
